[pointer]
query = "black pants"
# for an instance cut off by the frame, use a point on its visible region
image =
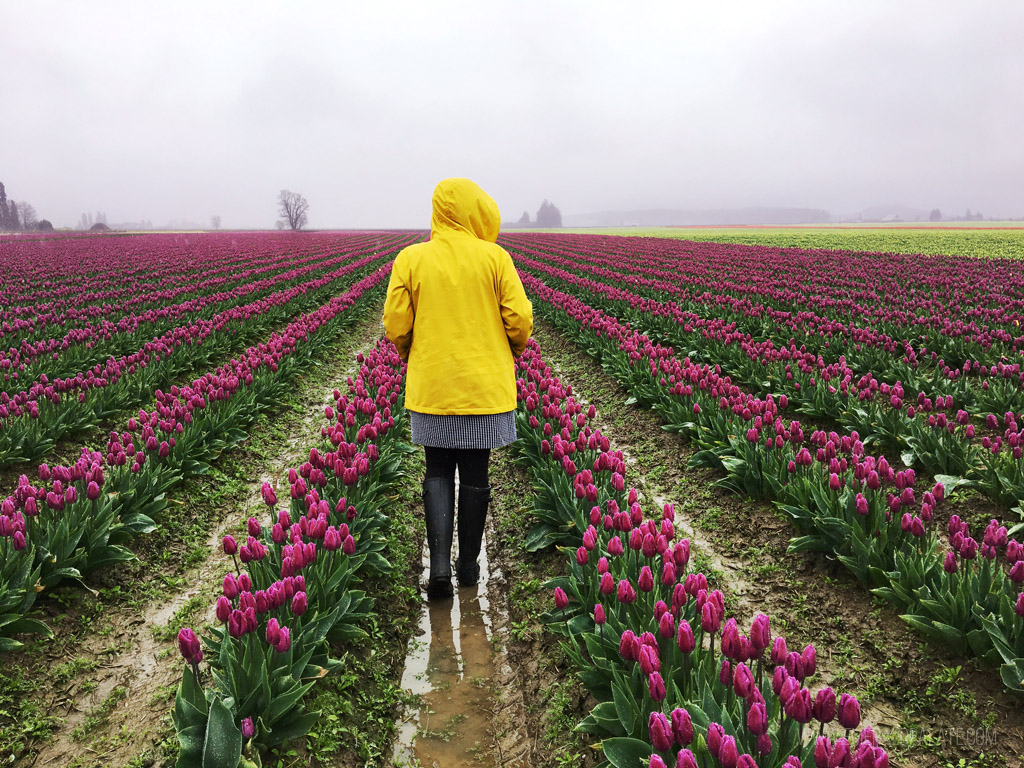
(472, 464)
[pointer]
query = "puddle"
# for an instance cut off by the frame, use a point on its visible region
(449, 667)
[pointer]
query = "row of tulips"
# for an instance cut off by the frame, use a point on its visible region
(677, 682)
(83, 345)
(79, 517)
(35, 419)
(846, 503)
(850, 300)
(934, 432)
(290, 592)
(118, 276)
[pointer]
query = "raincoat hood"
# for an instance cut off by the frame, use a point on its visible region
(460, 205)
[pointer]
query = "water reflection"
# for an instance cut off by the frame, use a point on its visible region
(450, 666)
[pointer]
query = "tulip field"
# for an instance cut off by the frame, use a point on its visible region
(868, 407)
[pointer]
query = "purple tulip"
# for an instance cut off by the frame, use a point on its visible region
(655, 761)
(229, 545)
(223, 609)
(629, 646)
(757, 719)
(840, 756)
(284, 642)
(822, 751)
(599, 617)
(848, 711)
(656, 686)
(649, 660)
(746, 761)
(798, 706)
(714, 739)
(809, 660)
(684, 637)
(660, 732)
(825, 705)
(728, 754)
(248, 729)
(299, 603)
(760, 634)
(779, 651)
(682, 727)
(561, 599)
(189, 646)
(686, 759)
(742, 680)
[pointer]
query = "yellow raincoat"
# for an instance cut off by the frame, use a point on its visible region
(456, 309)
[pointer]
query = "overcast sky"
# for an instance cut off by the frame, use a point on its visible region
(181, 110)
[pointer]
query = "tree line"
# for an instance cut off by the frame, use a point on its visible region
(18, 215)
(548, 217)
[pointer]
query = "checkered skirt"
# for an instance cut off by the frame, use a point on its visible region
(488, 430)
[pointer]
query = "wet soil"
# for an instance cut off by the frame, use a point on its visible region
(112, 670)
(540, 700)
(930, 708)
(466, 709)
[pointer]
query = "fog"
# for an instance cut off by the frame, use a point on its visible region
(179, 111)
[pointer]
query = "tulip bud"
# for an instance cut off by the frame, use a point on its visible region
(682, 727)
(284, 643)
(188, 644)
(757, 719)
(728, 754)
(655, 761)
(686, 759)
(248, 729)
(714, 739)
(656, 686)
(848, 711)
(299, 603)
(223, 608)
(660, 732)
(229, 545)
(599, 617)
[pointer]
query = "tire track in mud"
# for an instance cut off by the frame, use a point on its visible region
(124, 700)
(863, 646)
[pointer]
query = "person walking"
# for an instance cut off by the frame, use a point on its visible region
(458, 315)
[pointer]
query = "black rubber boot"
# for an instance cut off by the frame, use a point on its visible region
(439, 511)
(473, 503)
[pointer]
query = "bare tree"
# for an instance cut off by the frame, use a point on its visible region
(292, 207)
(27, 214)
(215, 222)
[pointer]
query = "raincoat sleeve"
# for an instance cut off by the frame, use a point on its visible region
(516, 310)
(398, 311)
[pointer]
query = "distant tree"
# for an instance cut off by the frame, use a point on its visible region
(13, 219)
(3, 207)
(279, 224)
(549, 216)
(292, 207)
(26, 213)
(215, 222)
(978, 216)
(99, 226)
(935, 215)
(524, 220)
(44, 226)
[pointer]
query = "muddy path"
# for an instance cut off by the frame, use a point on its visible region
(114, 667)
(927, 706)
(466, 708)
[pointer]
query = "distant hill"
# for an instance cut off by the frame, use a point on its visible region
(713, 217)
(891, 213)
